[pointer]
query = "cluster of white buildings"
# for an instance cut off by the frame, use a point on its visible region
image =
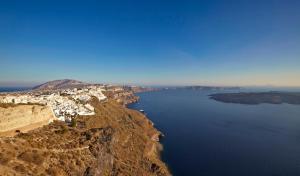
(65, 104)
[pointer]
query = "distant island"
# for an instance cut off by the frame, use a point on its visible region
(258, 97)
(211, 88)
(205, 88)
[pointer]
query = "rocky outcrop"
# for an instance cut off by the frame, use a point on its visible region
(23, 118)
(123, 97)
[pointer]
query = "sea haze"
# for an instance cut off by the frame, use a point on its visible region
(206, 137)
(13, 89)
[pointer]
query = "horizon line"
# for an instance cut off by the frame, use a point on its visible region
(25, 84)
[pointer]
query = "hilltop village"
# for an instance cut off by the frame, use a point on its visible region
(69, 103)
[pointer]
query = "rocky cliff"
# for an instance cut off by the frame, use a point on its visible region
(23, 117)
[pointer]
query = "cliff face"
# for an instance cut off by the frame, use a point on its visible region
(115, 141)
(122, 97)
(23, 117)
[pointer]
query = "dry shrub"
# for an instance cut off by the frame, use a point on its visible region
(7, 105)
(20, 168)
(55, 171)
(4, 159)
(31, 157)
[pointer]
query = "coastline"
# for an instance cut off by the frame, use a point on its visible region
(159, 138)
(156, 137)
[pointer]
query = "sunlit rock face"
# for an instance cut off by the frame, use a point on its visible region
(24, 117)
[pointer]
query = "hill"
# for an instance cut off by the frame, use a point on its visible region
(60, 84)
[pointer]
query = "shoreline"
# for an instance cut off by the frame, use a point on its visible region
(156, 137)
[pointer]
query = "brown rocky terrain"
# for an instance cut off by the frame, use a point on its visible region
(115, 141)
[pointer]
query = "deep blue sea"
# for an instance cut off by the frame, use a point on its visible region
(204, 137)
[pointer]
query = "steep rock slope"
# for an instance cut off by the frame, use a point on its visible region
(23, 117)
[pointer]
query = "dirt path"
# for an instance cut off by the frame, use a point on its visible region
(61, 150)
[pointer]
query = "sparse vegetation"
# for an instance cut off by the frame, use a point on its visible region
(73, 122)
(8, 105)
(31, 157)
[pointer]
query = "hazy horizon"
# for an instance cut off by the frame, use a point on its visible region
(33, 84)
(214, 43)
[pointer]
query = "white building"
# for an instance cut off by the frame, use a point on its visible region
(63, 107)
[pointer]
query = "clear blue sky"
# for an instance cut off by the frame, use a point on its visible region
(151, 42)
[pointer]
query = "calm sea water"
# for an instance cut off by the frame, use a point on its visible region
(204, 137)
(13, 89)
